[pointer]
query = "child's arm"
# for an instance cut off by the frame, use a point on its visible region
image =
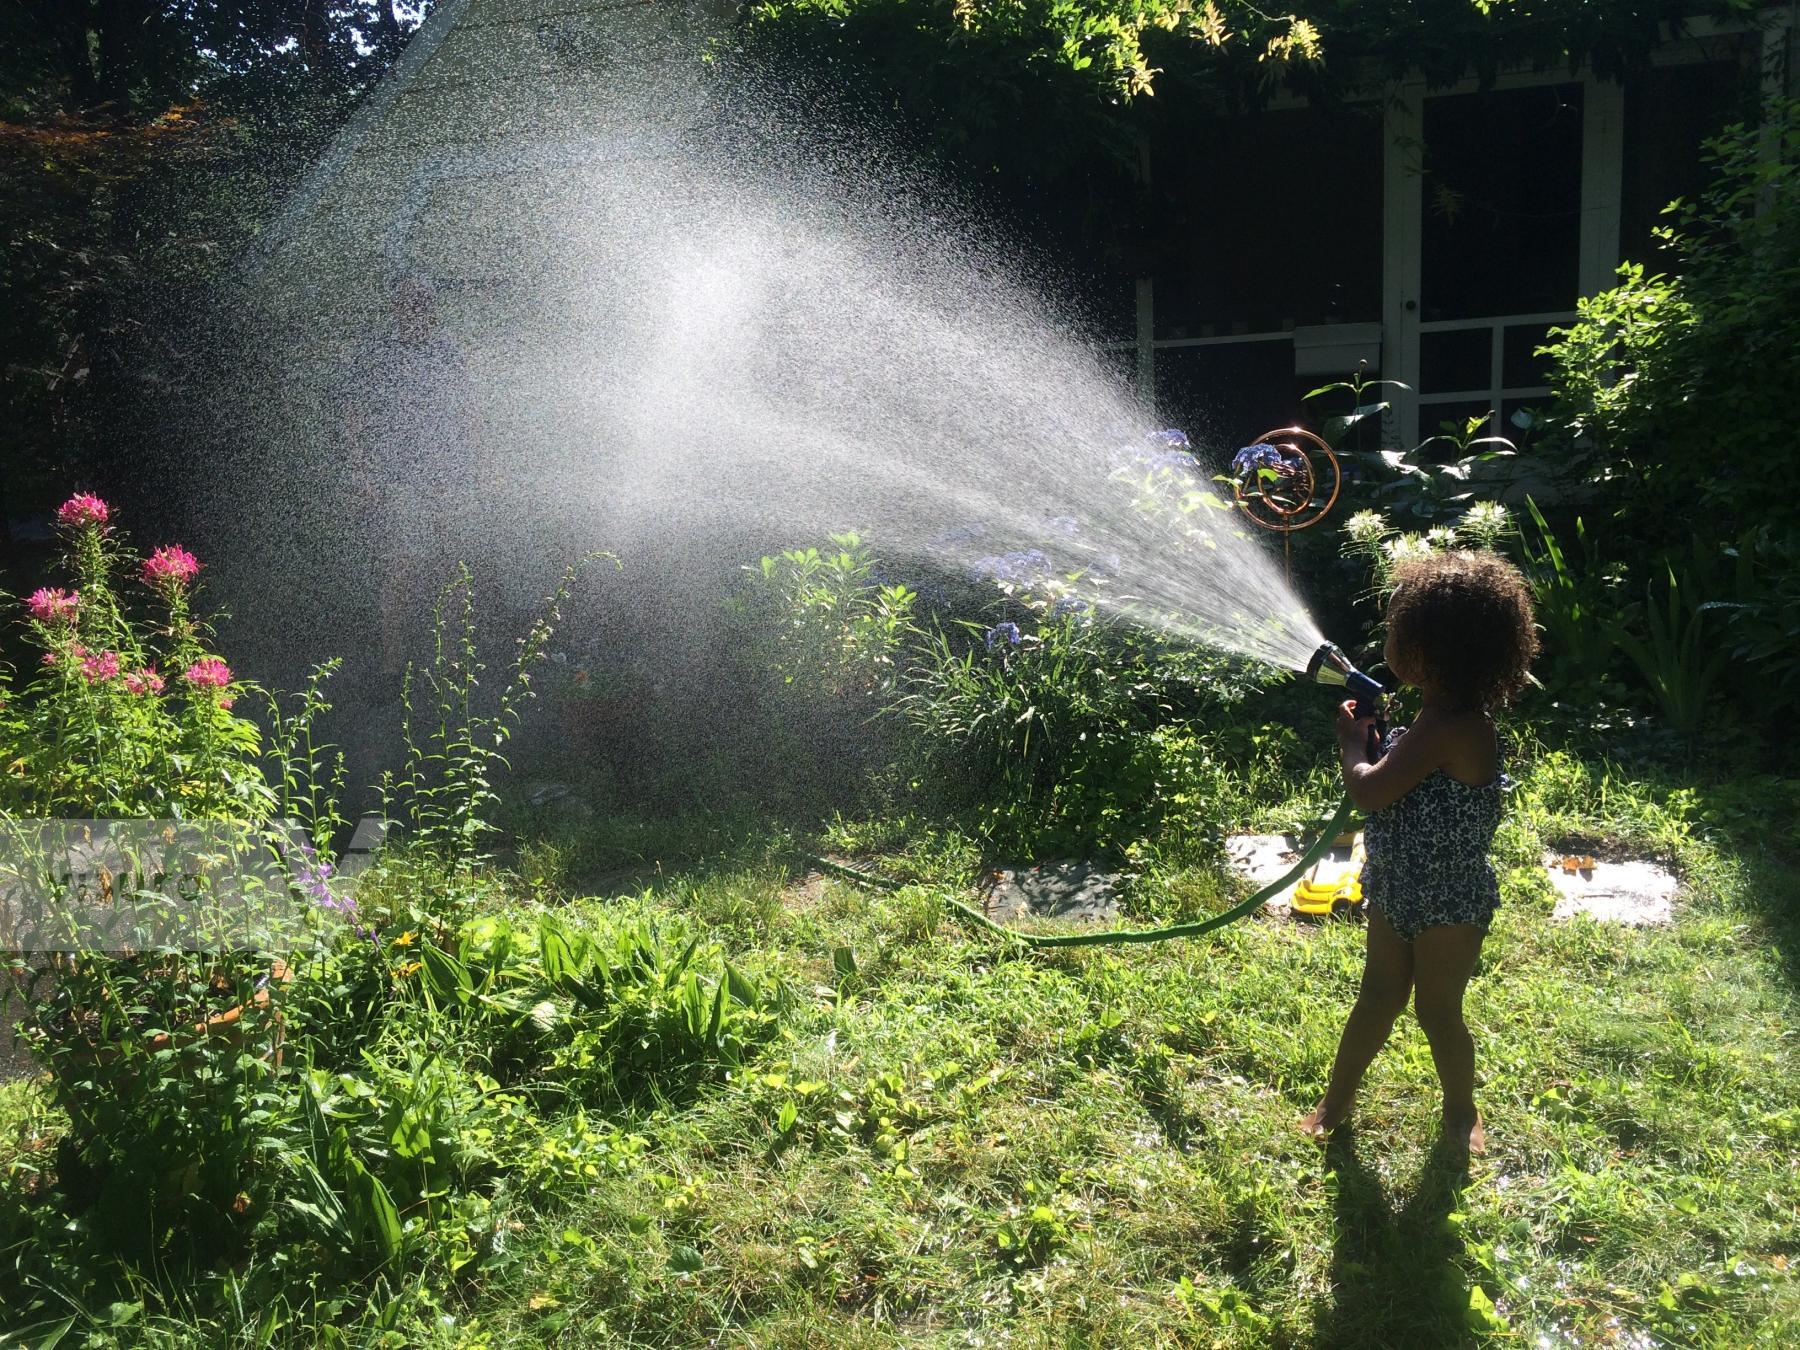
(1374, 784)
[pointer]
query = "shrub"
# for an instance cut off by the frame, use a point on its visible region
(1029, 694)
(1680, 386)
(1043, 723)
(150, 996)
(1577, 599)
(827, 620)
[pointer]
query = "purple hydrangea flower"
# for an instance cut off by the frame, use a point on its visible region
(1004, 632)
(1252, 459)
(1018, 568)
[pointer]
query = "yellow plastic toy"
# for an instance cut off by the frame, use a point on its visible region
(1332, 887)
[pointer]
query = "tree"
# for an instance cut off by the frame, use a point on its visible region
(143, 143)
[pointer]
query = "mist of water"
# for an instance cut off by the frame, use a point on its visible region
(735, 343)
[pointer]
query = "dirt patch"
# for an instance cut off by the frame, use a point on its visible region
(805, 893)
(1263, 858)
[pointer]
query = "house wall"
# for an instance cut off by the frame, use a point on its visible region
(1434, 234)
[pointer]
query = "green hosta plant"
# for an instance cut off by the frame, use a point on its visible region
(1678, 653)
(1576, 602)
(616, 1008)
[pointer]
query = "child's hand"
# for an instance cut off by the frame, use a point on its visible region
(1352, 729)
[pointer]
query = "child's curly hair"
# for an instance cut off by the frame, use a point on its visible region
(1464, 621)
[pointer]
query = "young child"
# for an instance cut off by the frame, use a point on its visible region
(1459, 630)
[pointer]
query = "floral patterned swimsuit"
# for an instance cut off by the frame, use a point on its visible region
(1427, 858)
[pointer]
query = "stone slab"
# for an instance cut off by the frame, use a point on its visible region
(1081, 891)
(1263, 858)
(1636, 892)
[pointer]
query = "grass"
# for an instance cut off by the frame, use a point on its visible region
(946, 1145)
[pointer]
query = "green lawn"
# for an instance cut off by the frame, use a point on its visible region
(937, 1142)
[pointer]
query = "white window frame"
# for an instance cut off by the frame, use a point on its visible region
(1602, 194)
(1403, 207)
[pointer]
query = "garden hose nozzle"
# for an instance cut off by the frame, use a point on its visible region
(1330, 666)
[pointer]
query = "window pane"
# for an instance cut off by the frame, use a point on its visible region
(1502, 227)
(1669, 111)
(1520, 367)
(1456, 360)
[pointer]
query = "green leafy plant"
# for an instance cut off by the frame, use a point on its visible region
(306, 773)
(1576, 602)
(616, 1010)
(1680, 384)
(1675, 652)
(824, 621)
(1763, 618)
(444, 795)
(1038, 1226)
(1445, 474)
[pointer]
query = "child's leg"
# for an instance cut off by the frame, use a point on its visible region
(1386, 982)
(1444, 958)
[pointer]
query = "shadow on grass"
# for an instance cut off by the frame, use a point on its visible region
(1394, 1277)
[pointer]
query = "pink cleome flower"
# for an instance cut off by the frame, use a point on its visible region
(99, 667)
(53, 607)
(208, 671)
(170, 567)
(76, 650)
(145, 681)
(84, 508)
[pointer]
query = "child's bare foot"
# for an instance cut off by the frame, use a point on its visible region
(1318, 1123)
(1466, 1134)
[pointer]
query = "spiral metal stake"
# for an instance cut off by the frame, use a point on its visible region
(1277, 484)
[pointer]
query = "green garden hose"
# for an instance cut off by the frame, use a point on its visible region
(1118, 937)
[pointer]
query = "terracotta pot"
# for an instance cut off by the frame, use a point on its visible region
(234, 1023)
